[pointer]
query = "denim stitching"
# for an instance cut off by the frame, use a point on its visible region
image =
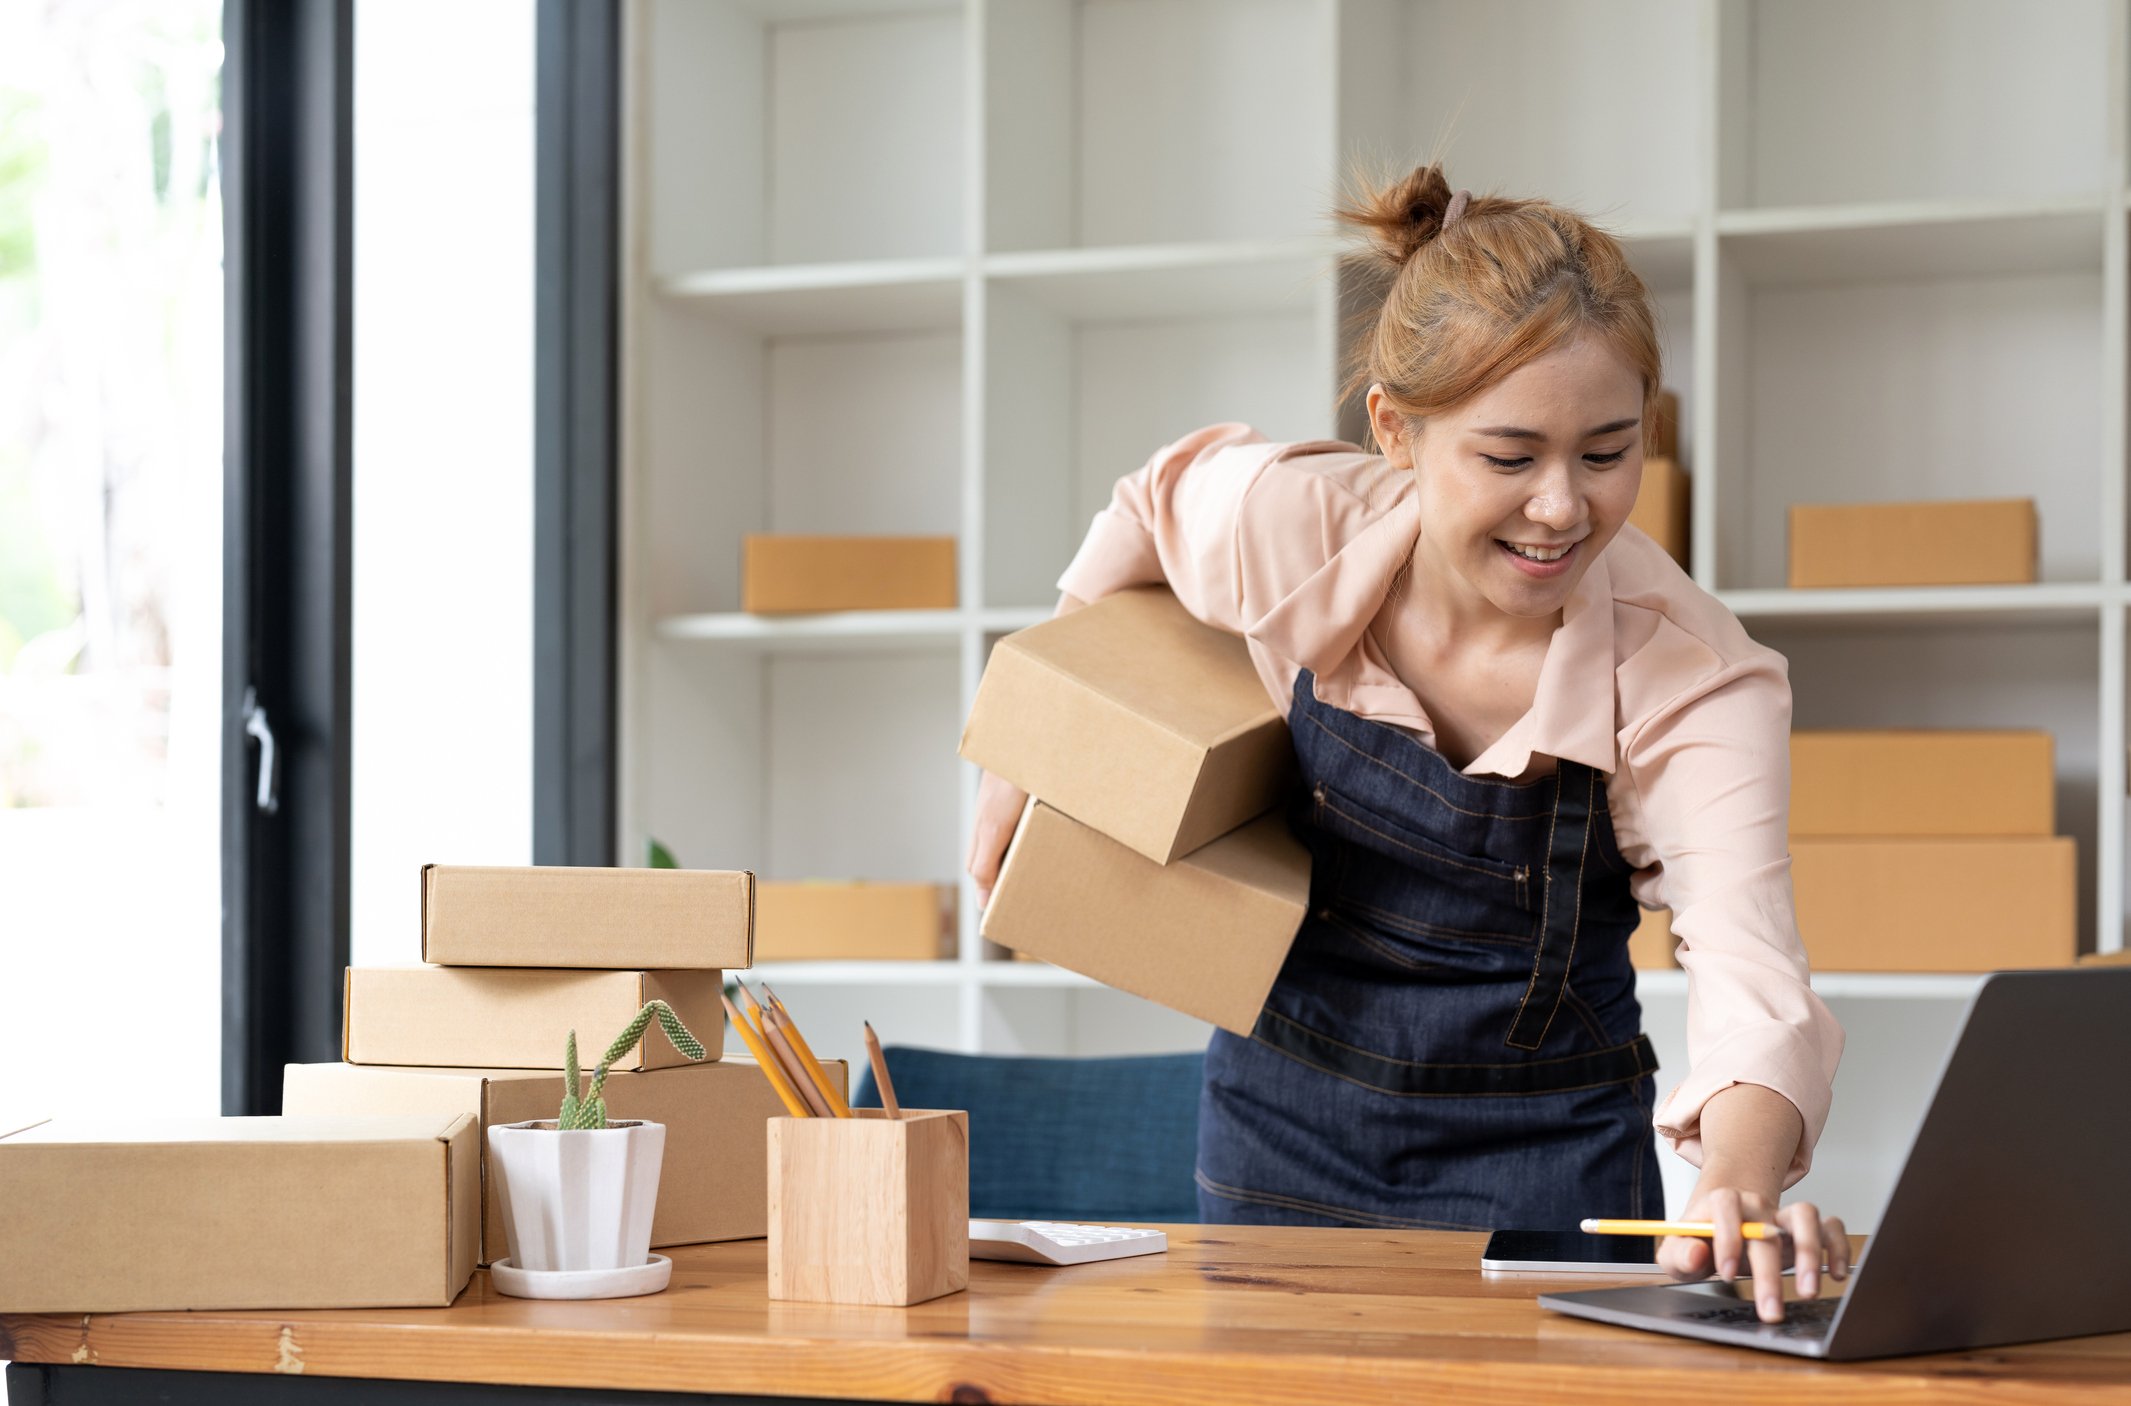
(1378, 945)
(1427, 1064)
(1351, 818)
(1546, 905)
(1372, 1219)
(1583, 856)
(1379, 761)
(1414, 925)
(1418, 1093)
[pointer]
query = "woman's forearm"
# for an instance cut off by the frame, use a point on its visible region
(1749, 1134)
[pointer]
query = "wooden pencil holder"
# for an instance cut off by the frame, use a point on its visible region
(869, 1209)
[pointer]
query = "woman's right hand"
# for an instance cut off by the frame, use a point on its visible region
(999, 804)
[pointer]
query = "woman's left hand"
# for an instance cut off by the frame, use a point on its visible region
(1813, 1241)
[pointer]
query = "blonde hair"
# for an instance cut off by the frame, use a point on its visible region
(1463, 307)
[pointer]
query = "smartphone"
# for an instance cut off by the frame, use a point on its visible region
(1569, 1252)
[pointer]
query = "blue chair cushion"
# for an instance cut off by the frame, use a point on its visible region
(1105, 1139)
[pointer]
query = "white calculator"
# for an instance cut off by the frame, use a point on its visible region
(1059, 1242)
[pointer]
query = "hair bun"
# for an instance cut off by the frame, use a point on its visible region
(1400, 218)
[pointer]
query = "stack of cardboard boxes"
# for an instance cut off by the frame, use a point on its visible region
(1930, 852)
(1150, 856)
(519, 957)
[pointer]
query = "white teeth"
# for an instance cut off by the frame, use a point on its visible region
(1539, 553)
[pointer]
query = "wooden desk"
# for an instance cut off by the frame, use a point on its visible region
(1229, 1314)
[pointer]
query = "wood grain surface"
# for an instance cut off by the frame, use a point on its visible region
(1229, 1314)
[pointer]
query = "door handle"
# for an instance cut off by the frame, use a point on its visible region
(259, 729)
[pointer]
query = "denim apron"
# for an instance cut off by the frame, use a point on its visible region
(1454, 1041)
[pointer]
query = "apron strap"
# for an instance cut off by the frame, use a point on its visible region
(1561, 907)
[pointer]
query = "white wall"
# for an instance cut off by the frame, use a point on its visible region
(443, 451)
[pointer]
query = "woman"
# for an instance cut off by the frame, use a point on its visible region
(1516, 717)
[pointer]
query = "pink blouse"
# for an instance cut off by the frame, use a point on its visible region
(1649, 679)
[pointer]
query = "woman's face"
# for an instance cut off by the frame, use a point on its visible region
(1525, 483)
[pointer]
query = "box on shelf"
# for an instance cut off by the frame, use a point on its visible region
(1650, 946)
(517, 1018)
(1922, 783)
(557, 916)
(1984, 542)
(782, 574)
(825, 920)
(1661, 507)
(869, 1209)
(1205, 935)
(712, 1183)
(117, 1215)
(2120, 958)
(1135, 718)
(1936, 905)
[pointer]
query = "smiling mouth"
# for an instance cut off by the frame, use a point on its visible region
(1538, 553)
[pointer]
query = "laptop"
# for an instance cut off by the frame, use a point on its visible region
(2009, 1222)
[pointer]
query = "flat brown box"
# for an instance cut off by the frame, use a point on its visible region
(869, 1209)
(617, 919)
(117, 1215)
(1976, 543)
(1936, 905)
(1205, 935)
(1661, 507)
(1920, 784)
(517, 1018)
(2120, 958)
(1650, 946)
(1133, 717)
(712, 1180)
(822, 921)
(784, 574)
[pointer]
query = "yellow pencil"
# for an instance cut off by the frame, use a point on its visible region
(1750, 1230)
(763, 1059)
(813, 1067)
(787, 1061)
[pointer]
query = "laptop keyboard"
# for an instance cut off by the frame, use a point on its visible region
(1806, 1318)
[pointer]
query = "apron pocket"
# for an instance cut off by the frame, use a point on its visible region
(1339, 814)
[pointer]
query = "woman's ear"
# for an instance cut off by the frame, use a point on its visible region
(1389, 428)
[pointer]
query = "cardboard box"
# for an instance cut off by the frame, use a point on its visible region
(783, 574)
(1988, 542)
(871, 1209)
(1205, 935)
(1134, 718)
(2120, 958)
(553, 916)
(1661, 507)
(1936, 905)
(1650, 946)
(116, 1215)
(1937, 783)
(518, 1018)
(825, 920)
(712, 1182)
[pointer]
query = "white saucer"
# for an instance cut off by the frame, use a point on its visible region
(646, 1278)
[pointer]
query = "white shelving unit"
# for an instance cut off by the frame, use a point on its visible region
(902, 266)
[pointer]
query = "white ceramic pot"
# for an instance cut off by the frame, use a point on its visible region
(577, 1200)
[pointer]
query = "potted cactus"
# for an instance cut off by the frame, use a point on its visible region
(578, 1190)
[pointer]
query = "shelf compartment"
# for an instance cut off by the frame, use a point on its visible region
(1118, 122)
(1923, 99)
(740, 433)
(792, 133)
(1600, 114)
(1982, 384)
(1075, 402)
(1169, 280)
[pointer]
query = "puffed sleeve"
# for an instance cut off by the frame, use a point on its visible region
(1175, 519)
(1710, 777)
